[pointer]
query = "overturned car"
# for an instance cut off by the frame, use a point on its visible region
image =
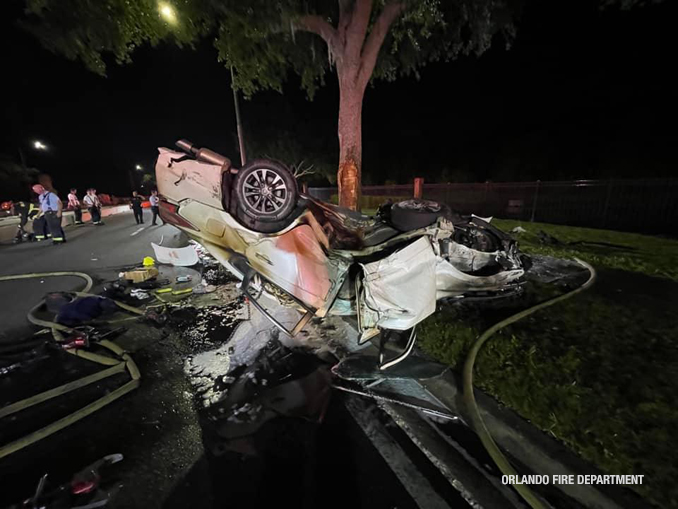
(388, 271)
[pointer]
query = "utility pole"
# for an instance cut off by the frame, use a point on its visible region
(238, 123)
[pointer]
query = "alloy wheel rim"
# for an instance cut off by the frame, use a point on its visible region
(265, 191)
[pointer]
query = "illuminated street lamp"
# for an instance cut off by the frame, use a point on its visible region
(39, 145)
(139, 167)
(167, 12)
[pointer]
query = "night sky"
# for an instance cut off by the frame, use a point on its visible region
(582, 94)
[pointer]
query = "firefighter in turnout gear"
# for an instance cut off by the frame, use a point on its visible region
(49, 221)
(27, 211)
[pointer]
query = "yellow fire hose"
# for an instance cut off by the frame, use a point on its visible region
(122, 363)
(470, 401)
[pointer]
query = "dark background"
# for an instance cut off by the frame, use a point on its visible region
(583, 93)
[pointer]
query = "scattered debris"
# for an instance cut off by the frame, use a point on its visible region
(140, 294)
(179, 256)
(218, 275)
(205, 257)
(183, 279)
(519, 229)
(207, 327)
(84, 309)
(203, 287)
(85, 489)
(140, 275)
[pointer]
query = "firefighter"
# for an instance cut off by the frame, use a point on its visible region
(155, 206)
(93, 204)
(135, 205)
(51, 210)
(74, 205)
(26, 211)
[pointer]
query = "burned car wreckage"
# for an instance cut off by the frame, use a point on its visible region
(388, 271)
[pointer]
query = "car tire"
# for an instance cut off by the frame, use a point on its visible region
(265, 195)
(480, 239)
(413, 214)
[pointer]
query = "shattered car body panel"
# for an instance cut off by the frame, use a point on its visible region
(400, 290)
(328, 260)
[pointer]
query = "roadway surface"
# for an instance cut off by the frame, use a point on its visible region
(96, 250)
(355, 458)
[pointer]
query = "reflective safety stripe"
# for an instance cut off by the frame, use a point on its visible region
(58, 239)
(39, 237)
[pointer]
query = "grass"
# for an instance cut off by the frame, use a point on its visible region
(600, 371)
(654, 256)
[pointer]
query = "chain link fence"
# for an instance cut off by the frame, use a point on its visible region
(644, 206)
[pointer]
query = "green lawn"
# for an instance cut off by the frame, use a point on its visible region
(600, 371)
(654, 256)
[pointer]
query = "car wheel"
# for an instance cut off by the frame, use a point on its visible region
(413, 214)
(476, 238)
(265, 193)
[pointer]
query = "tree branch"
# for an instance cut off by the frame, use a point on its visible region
(345, 16)
(317, 25)
(375, 40)
(357, 28)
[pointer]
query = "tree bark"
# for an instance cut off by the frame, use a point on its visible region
(355, 57)
(350, 146)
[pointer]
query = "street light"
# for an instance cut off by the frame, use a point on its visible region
(167, 12)
(139, 167)
(39, 145)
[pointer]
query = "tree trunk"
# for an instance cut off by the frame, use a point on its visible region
(356, 54)
(350, 145)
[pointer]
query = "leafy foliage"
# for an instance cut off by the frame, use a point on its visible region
(286, 146)
(90, 31)
(262, 40)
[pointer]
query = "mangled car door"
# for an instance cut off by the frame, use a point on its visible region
(399, 291)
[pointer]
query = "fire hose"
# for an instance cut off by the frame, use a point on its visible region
(123, 362)
(470, 401)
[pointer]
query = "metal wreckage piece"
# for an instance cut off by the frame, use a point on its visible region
(387, 271)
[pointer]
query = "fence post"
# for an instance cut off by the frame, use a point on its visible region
(418, 187)
(534, 202)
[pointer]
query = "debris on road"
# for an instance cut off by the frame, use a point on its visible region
(203, 287)
(140, 275)
(140, 294)
(86, 489)
(179, 256)
(84, 309)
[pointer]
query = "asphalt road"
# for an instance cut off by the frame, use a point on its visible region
(96, 250)
(169, 444)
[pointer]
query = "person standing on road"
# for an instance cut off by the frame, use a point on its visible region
(26, 210)
(74, 205)
(51, 209)
(135, 205)
(155, 206)
(93, 204)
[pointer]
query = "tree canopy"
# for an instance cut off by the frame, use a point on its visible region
(264, 41)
